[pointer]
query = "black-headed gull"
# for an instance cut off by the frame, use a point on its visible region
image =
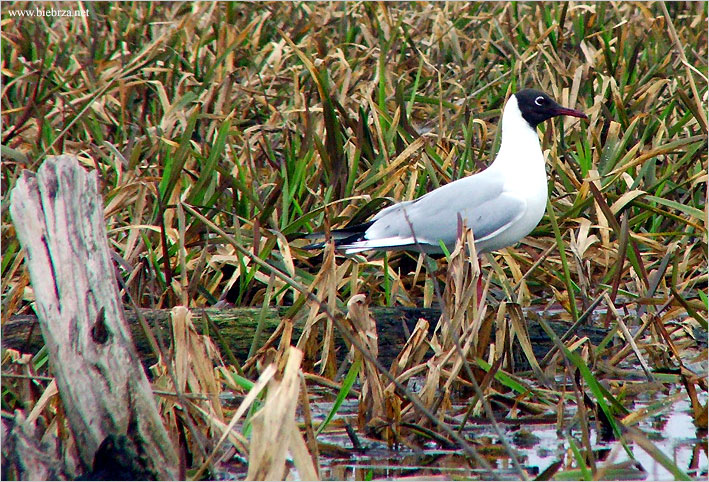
(502, 204)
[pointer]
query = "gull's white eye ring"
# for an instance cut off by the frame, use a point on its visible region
(539, 101)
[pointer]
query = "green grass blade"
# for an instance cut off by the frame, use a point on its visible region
(347, 384)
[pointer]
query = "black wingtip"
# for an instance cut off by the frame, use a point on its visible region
(346, 235)
(311, 247)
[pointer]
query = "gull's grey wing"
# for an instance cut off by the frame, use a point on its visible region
(480, 199)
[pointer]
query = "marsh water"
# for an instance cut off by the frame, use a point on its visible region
(538, 445)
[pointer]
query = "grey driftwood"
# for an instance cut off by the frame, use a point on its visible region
(58, 216)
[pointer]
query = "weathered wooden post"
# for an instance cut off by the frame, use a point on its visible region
(58, 216)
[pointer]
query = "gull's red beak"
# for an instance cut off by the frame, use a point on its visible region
(571, 112)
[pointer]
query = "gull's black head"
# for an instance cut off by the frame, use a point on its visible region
(536, 107)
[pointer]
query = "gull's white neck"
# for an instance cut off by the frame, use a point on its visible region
(520, 154)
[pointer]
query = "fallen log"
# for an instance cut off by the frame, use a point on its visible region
(236, 327)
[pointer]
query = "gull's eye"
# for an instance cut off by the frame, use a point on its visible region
(540, 101)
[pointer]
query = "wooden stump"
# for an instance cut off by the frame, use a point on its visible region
(58, 215)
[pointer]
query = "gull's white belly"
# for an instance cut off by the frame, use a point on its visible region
(518, 230)
(530, 184)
